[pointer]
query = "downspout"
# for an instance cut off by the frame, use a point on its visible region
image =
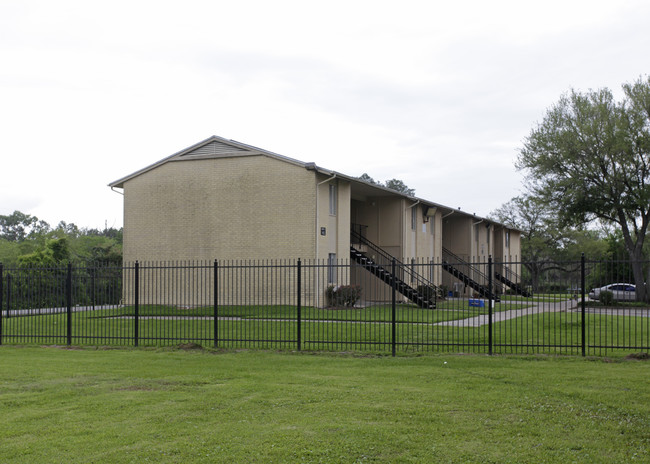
(477, 239)
(448, 214)
(316, 233)
(490, 242)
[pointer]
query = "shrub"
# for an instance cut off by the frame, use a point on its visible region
(444, 292)
(343, 295)
(606, 297)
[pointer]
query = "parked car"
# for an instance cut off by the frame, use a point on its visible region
(625, 292)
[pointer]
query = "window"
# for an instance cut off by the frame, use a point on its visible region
(414, 218)
(432, 226)
(331, 268)
(333, 199)
(507, 239)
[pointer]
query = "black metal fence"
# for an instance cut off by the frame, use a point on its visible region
(339, 306)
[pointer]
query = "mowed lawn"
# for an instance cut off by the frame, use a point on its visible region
(90, 405)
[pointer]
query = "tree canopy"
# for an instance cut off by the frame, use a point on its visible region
(393, 184)
(589, 160)
(27, 241)
(545, 245)
(18, 226)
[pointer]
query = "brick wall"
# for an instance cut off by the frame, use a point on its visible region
(249, 207)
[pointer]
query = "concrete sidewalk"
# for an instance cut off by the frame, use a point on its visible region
(500, 316)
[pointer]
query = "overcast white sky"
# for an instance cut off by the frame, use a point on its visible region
(438, 94)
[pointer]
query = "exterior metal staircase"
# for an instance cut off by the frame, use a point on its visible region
(510, 283)
(452, 263)
(386, 276)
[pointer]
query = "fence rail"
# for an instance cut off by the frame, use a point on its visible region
(314, 305)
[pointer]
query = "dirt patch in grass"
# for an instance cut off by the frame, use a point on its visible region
(138, 388)
(64, 347)
(190, 346)
(638, 356)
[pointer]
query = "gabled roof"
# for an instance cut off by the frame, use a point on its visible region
(218, 147)
(212, 147)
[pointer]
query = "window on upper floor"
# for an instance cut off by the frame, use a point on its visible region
(333, 199)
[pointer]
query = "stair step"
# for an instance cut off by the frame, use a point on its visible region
(383, 274)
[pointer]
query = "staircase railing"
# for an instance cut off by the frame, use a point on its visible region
(474, 272)
(508, 273)
(407, 272)
(424, 299)
(511, 279)
(467, 273)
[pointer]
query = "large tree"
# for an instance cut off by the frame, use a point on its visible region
(589, 160)
(538, 233)
(26, 240)
(400, 186)
(393, 184)
(546, 247)
(18, 226)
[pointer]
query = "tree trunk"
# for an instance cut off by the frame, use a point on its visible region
(634, 247)
(533, 269)
(637, 271)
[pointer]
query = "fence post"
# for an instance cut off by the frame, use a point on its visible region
(299, 304)
(215, 293)
(582, 304)
(490, 303)
(1, 298)
(68, 301)
(8, 295)
(393, 309)
(93, 283)
(136, 297)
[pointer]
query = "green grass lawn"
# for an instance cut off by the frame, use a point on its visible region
(445, 311)
(617, 304)
(349, 329)
(201, 406)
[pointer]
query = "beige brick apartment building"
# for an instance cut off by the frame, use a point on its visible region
(225, 200)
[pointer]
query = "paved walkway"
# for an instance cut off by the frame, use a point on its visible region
(59, 310)
(500, 316)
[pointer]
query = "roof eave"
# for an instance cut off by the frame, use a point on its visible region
(119, 183)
